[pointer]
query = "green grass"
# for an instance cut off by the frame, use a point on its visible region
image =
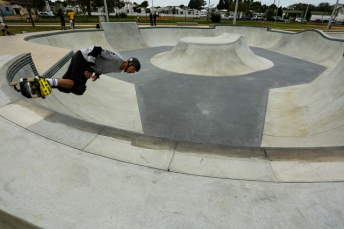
(30, 29)
(91, 22)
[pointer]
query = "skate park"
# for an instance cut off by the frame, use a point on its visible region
(242, 145)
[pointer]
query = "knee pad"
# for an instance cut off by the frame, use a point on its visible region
(3, 30)
(64, 90)
(6, 27)
(79, 89)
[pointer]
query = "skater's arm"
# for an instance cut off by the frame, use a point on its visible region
(89, 75)
(95, 77)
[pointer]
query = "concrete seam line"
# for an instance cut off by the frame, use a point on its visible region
(269, 162)
(172, 158)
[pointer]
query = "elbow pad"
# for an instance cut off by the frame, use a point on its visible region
(94, 51)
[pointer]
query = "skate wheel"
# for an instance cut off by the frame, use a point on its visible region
(31, 79)
(13, 83)
(34, 96)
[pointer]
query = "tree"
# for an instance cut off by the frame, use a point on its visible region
(144, 4)
(191, 4)
(226, 2)
(280, 12)
(243, 7)
(231, 6)
(221, 5)
(199, 4)
(270, 13)
(256, 7)
(324, 7)
(273, 7)
(118, 4)
(263, 8)
(85, 6)
(38, 4)
(182, 6)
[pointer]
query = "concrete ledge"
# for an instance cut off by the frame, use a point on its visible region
(186, 23)
(8, 221)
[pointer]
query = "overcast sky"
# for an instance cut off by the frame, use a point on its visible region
(283, 3)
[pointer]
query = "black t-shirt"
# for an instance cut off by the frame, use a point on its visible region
(61, 16)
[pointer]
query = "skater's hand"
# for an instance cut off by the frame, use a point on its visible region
(88, 74)
(94, 78)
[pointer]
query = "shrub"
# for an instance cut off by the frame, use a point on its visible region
(122, 15)
(215, 17)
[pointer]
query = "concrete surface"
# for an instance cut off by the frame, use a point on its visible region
(62, 171)
(224, 55)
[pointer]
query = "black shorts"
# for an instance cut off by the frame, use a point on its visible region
(76, 69)
(63, 23)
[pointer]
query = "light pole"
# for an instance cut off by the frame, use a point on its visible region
(235, 12)
(106, 11)
(276, 12)
(208, 10)
(330, 21)
(304, 16)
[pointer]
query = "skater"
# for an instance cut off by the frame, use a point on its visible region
(90, 64)
(138, 19)
(151, 18)
(154, 18)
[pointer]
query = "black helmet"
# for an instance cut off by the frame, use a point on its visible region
(134, 62)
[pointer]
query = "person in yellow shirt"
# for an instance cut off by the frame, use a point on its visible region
(71, 18)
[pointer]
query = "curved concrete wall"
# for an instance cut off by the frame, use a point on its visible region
(73, 40)
(307, 106)
(77, 181)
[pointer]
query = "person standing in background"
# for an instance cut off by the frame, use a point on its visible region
(151, 18)
(154, 18)
(71, 18)
(63, 23)
(4, 28)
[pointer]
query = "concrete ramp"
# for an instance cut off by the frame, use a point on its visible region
(107, 101)
(123, 35)
(308, 115)
(73, 40)
(224, 55)
(169, 36)
(313, 46)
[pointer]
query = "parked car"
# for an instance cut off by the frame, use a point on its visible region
(278, 18)
(46, 14)
(224, 17)
(202, 15)
(317, 21)
(300, 20)
(245, 18)
(257, 18)
(196, 16)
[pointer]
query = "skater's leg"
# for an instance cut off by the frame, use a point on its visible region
(65, 83)
(74, 79)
